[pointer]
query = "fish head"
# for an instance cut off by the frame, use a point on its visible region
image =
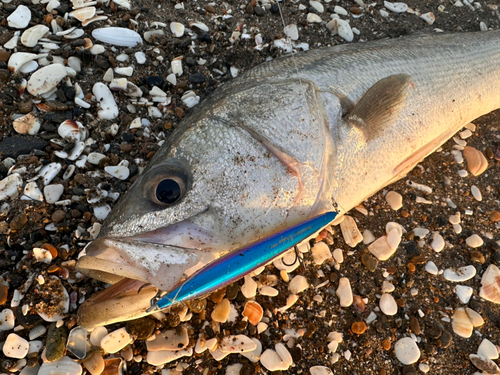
(215, 186)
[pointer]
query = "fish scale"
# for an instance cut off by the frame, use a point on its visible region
(285, 142)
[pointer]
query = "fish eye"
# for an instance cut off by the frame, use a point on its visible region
(169, 190)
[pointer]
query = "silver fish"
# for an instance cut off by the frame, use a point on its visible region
(289, 140)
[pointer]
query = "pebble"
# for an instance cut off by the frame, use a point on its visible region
(445, 340)
(474, 241)
(320, 370)
(141, 329)
(253, 311)
(476, 162)
(358, 328)
(116, 340)
(464, 293)
(487, 349)
(394, 199)
(298, 284)
(18, 221)
(437, 243)
(460, 274)
(476, 193)
(221, 311)
(477, 257)
(7, 320)
(94, 363)
(407, 351)
(461, 323)
(369, 262)
(56, 342)
(15, 346)
(64, 366)
(344, 292)
(388, 304)
(320, 253)
(415, 326)
(237, 344)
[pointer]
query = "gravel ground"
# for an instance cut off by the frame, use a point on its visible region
(427, 299)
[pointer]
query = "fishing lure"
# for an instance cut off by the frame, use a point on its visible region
(238, 263)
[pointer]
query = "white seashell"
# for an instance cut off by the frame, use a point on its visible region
(27, 124)
(49, 171)
(118, 36)
(276, 360)
(350, 231)
(199, 25)
(31, 36)
(292, 31)
(127, 71)
(75, 34)
(394, 238)
(464, 293)
(20, 18)
(320, 253)
(487, 349)
(190, 99)
(388, 304)
(177, 29)
(133, 91)
(165, 356)
(69, 172)
(140, 57)
(237, 344)
(75, 63)
(317, 6)
(475, 318)
(313, 18)
(298, 284)
(123, 3)
(421, 232)
(149, 35)
(63, 366)
(171, 78)
(12, 43)
(97, 49)
(322, 370)
(31, 190)
(29, 67)
(42, 255)
(9, 185)
(437, 243)
(53, 192)
(428, 17)
(368, 237)
(344, 292)
(177, 66)
(156, 91)
(94, 19)
(8, 320)
(490, 284)
(82, 3)
(474, 241)
(394, 199)
(342, 28)
(95, 157)
(69, 130)
(76, 151)
(396, 7)
(339, 10)
(486, 365)
(15, 346)
(119, 172)
(381, 248)
(253, 355)
(109, 75)
(46, 79)
(476, 193)
(118, 84)
(460, 274)
(109, 109)
(407, 351)
(53, 4)
(431, 268)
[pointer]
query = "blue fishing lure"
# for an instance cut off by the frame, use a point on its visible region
(238, 263)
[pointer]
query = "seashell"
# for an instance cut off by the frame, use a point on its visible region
(53, 192)
(490, 284)
(118, 84)
(53, 4)
(394, 199)
(46, 79)
(344, 292)
(31, 36)
(94, 363)
(97, 49)
(381, 248)
(123, 3)
(120, 172)
(317, 6)
(199, 25)
(476, 162)
(63, 366)
(461, 323)
(83, 14)
(69, 130)
(460, 274)
(350, 231)
(342, 28)
(94, 19)
(75, 34)
(484, 364)
(9, 185)
(429, 17)
(133, 91)
(407, 351)
(475, 318)
(109, 109)
(82, 3)
(396, 7)
(487, 349)
(118, 36)
(28, 124)
(190, 99)
(320, 253)
(278, 359)
(125, 71)
(31, 190)
(298, 284)
(474, 241)
(49, 171)
(29, 67)
(150, 35)
(388, 304)
(165, 356)
(177, 29)
(237, 344)
(20, 18)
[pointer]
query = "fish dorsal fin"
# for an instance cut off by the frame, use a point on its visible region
(383, 101)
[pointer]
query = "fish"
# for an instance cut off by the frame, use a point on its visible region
(290, 139)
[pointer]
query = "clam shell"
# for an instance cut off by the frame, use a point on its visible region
(350, 231)
(46, 79)
(118, 36)
(476, 162)
(31, 36)
(94, 19)
(177, 29)
(20, 18)
(490, 284)
(83, 14)
(461, 323)
(18, 59)
(123, 3)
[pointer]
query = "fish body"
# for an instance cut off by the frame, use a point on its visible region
(289, 140)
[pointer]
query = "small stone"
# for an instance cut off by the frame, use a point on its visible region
(477, 257)
(142, 328)
(320, 253)
(15, 346)
(344, 292)
(445, 340)
(174, 339)
(56, 342)
(320, 370)
(369, 262)
(433, 330)
(386, 344)
(358, 328)
(464, 293)
(476, 193)
(116, 340)
(58, 216)
(495, 216)
(474, 241)
(415, 326)
(461, 323)
(407, 351)
(388, 304)
(394, 199)
(253, 311)
(18, 221)
(298, 284)
(221, 311)
(476, 162)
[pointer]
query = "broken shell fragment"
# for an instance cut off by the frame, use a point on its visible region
(476, 162)
(177, 29)
(83, 14)
(31, 36)
(350, 231)
(69, 130)
(117, 36)
(46, 79)
(20, 18)
(253, 311)
(109, 109)
(9, 185)
(490, 284)
(484, 364)
(461, 323)
(28, 124)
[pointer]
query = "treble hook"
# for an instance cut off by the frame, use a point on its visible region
(297, 257)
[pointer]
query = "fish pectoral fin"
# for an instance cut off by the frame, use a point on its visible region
(383, 101)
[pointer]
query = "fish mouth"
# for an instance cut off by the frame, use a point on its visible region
(138, 267)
